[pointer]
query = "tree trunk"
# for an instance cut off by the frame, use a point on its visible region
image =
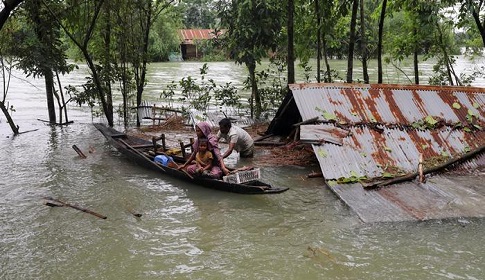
(107, 107)
(42, 35)
(319, 38)
(8, 7)
(107, 58)
(49, 90)
(379, 43)
(325, 58)
(363, 44)
(63, 101)
(446, 58)
(350, 57)
(291, 52)
(416, 60)
(146, 39)
(14, 127)
(254, 91)
(481, 28)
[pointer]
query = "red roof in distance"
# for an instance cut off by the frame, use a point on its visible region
(188, 36)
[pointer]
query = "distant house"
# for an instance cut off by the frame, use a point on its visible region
(189, 38)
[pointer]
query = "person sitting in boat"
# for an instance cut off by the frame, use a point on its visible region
(204, 130)
(237, 138)
(204, 158)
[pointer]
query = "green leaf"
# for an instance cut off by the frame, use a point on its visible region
(476, 105)
(387, 149)
(456, 105)
(417, 125)
(387, 175)
(457, 125)
(322, 153)
(332, 183)
(329, 116)
(424, 146)
(430, 120)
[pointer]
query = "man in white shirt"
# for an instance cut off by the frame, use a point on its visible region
(237, 138)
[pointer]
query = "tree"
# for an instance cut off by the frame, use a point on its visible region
(363, 45)
(291, 53)
(147, 13)
(253, 29)
(198, 14)
(78, 20)
(379, 43)
(473, 8)
(352, 36)
(41, 51)
(6, 74)
(7, 8)
(413, 22)
(319, 38)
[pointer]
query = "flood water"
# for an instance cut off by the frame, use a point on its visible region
(186, 231)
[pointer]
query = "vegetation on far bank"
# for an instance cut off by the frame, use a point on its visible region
(117, 39)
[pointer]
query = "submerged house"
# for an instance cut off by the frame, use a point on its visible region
(372, 141)
(189, 39)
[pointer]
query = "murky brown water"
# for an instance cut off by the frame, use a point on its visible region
(188, 232)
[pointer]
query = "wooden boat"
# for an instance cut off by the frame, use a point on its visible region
(142, 152)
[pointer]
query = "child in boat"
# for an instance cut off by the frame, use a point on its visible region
(204, 131)
(204, 158)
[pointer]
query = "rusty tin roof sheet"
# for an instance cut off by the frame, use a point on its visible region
(189, 35)
(389, 126)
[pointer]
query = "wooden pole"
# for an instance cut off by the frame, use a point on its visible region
(75, 207)
(78, 151)
(420, 168)
(182, 147)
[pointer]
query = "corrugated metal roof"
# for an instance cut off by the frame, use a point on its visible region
(441, 197)
(189, 35)
(389, 126)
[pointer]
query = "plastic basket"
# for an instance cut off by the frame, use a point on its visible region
(242, 176)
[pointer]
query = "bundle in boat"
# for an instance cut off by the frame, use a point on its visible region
(243, 176)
